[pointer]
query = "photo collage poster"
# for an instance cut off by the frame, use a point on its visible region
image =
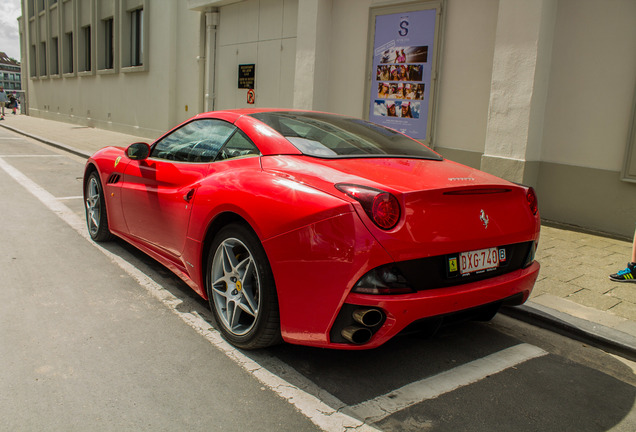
(401, 71)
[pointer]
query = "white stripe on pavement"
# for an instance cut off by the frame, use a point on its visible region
(383, 406)
(31, 155)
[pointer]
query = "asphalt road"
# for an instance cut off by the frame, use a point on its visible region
(104, 338)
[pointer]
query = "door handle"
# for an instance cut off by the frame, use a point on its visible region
(188, 196)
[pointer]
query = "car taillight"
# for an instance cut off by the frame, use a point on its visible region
(531, 197)
(382, 207)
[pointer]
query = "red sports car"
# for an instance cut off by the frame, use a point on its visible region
(315, 228)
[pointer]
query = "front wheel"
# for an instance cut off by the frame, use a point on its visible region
(241, 290)
(96, 218)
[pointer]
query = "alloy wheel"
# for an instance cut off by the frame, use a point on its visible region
(235, 286)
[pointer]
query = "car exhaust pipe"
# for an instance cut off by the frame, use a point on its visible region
(368, 317)
(356, 335)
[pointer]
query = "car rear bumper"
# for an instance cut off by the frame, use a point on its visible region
(315, 268)
(402, 311)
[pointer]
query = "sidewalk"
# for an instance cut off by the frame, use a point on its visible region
(573, 294)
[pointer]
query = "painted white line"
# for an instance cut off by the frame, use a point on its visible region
(31, 155)
(70, 198)
(383, 406)
(321, 414)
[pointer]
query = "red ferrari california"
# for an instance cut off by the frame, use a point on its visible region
(317, 229)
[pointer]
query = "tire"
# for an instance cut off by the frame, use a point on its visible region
(241, 289)
(95, 205)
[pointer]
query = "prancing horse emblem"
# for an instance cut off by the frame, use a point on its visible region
(483, 218)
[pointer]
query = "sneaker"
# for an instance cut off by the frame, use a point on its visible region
(627, 275)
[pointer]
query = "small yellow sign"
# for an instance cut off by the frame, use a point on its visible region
(452, 264)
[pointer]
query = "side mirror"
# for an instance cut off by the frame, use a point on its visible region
(138, 151)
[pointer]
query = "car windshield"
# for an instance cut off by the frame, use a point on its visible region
(332, 136)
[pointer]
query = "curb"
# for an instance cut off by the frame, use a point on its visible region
(597, 335)
(49, 142)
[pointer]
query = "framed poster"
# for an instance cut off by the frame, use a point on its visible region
(404, 50)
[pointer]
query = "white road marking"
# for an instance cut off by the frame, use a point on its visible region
(321, 414)
(383, 406)
(31, 156)
(69, 198)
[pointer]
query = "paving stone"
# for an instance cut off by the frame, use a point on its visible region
(599, 284)
(551, 286)
(624, 291)
(591, 251)
(624, 309)
(595, 300)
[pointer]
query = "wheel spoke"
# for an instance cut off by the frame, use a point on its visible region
(246, 306)
(229, 260)
(94, 219)
(236, 315)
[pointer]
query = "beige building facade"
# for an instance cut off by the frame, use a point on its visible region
(541, 92)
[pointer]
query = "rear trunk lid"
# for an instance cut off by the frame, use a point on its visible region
(446, 207)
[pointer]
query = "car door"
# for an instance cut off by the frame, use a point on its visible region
(157, 191)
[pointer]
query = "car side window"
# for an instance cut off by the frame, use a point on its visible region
(239, 145)
(197, 141)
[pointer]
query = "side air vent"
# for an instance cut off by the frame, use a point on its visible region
(478, 191)
(114, 178)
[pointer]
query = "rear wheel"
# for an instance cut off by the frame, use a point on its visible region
(96, 218)
(241, 290)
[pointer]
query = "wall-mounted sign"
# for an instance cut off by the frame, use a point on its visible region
(401, 71)
(246, 74)
(251, 97)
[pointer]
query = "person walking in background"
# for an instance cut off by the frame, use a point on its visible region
(13, 103)
(629, 274)
(3, 101)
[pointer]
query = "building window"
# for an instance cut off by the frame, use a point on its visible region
(41, 5)
(55, 50)
(68, 53)
(109, 45)
(136, 37)
(133, 37)
(85, 50)
(32, 61)
(42, 58)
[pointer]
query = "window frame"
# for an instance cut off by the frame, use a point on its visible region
(133, 36)
(107, 62)
(85, 50)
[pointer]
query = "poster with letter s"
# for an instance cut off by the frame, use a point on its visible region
(401, 71)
